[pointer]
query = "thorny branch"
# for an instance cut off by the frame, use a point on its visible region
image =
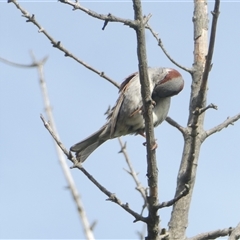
(58, 45)
(111, 197)
(139, 187)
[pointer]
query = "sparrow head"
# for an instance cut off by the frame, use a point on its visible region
(170, 85)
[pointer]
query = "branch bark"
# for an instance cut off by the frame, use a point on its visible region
(152, 171)
(213, 234)
(107, 18)
(218, 128)
(188, 168)
(58, 45)
(235, 235)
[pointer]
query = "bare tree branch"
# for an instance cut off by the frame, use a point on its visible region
(139, 187)
(68, 176)
(208, 64)
(202, 110)
(213, 234)
(107, 18)
(76, 164)
(58, 45)
(183, 193)
(152, 171)
(235, 235)
(32, 65)
(179, 218)
(160, 44)
(219, 127)
(176, 125)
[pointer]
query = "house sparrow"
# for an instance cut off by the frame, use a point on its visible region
(126, 116)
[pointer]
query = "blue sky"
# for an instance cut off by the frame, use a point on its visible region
(34, 202)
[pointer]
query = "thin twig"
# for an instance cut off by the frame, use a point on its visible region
(219, 127)
(139, 187)
(160, 44)
(213, 234)
(58, 45)
(176, 125)
(111, 197)
(32, 65)
(183, 193)
(68, 176)
(202, 110)
(107, 18)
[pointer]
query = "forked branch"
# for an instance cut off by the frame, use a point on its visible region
(58, 44)
(107, 18)
(111, 197)
(139, 187)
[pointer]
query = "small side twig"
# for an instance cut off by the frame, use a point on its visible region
(199, 111)
(131, 171)
(183, 193)
(107, 18)
(219, 127)
(176, 125)
(76, 164)
(58, 44)
(213, 234)
(160, 44)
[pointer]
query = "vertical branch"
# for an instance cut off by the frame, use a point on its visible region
(152, 172)
(187, 172)
(68, 176)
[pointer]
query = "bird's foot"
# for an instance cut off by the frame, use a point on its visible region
(155, 145)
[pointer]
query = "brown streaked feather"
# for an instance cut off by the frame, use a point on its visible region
(126, 81)
(114, 115)
(136, 111)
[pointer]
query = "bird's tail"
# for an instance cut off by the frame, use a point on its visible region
(84, 148)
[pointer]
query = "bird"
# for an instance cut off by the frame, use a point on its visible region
(126, 117)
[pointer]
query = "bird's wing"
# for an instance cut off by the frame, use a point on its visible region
(126, 81)
(113, 116)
